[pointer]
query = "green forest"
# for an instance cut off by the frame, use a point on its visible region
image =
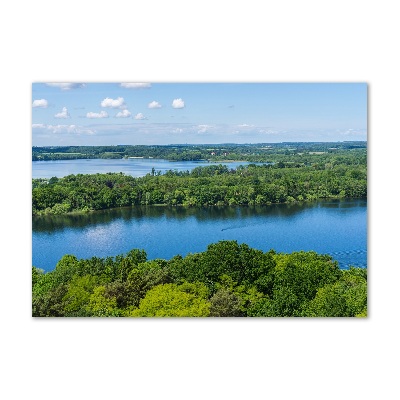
(262, 152)
(328, 176)
(226, 280)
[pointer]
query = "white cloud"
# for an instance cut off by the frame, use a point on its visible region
(135, 85)
(63, 113)
(269, 131)
(139, 116)
(124, 114)
(111, 103)
(203, 128)
(42, 103)
(67, 86)
(154, 104)
(352, 131)
(101, 114)
(245, 126)
(177, 130)
(60, 129)
(178, 103)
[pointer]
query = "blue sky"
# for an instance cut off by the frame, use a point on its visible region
(177, 113)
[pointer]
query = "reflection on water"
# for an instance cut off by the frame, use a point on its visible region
(134, 167)
(54, 223)
(335, 227)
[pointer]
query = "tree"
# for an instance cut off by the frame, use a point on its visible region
(36, 275)
(65, 269)
(102, 306)
(284, 303)
(227, 280)
(303, 273)
(240, 262)
(78, 295)
(124, 265)
(224, 303)
(345, 298)
(171, 300)
(47, 297)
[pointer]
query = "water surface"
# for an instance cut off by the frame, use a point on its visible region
(336, 227)
(131, 166)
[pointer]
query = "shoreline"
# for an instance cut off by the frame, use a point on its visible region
(81, 212)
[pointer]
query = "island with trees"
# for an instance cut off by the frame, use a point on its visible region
(287, 178)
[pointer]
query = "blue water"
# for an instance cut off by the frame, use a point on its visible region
(337, 227)
(131, 166)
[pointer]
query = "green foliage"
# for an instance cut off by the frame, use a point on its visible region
(289, 178)
(36, 275)
(321, 154)
(47, 297)
(78, 295)
(155, 273)
(232, 299)
(347, 297)
(125, 265)
(293, 282)
(225, 303)
(171, 300)
(123, 293)
(304, 272)
(240, 262)
(227, 280)
(101, 305)
(284, 304)
(65, 269)
(362, 314)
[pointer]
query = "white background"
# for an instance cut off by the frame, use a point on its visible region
(170, 41)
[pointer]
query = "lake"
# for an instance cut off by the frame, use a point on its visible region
(335, 227)
(130, 166)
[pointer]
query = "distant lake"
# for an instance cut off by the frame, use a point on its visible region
(335, 227)
(129, 166)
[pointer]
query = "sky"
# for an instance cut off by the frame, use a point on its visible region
(78, 113)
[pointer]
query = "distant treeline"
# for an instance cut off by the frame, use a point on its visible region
(335, 177)
(263, 152)
(227, 280)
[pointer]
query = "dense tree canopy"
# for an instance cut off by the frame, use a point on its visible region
(227, 280)
(260, 152)
(205, 186)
